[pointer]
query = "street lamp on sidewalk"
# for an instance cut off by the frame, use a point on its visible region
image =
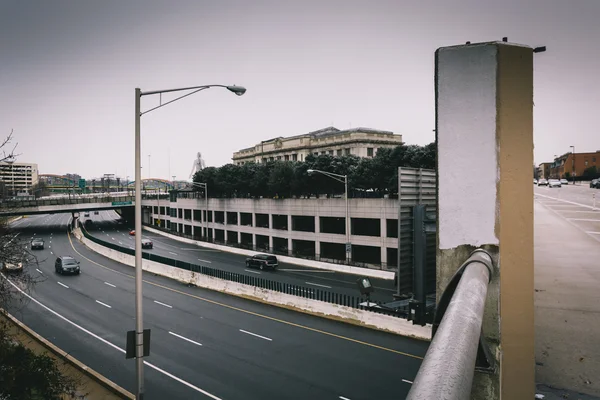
(139, 327)
(344, 180)
(205, 187)
(573, 163)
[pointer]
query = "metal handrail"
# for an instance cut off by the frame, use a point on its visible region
(449, 365)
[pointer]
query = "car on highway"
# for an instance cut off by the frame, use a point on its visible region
(542, 182)
(564, 182)
(554, 183)
(132, 232)
(12, 266)
(595, 183)
(37, 244)
(147, 244)
(66, 265)
(262, 261)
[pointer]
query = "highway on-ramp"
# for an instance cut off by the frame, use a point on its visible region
(204, 344)
(106, 226)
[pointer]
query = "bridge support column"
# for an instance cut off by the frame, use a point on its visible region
(484, 132)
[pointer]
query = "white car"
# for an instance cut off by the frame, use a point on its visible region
(564, 182)
(542, 182)
(554, 183)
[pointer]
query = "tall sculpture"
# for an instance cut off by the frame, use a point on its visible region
(199, 165)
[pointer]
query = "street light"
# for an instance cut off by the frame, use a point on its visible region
(344, 180)
(205, 187)
(139, 327)
(573, 163)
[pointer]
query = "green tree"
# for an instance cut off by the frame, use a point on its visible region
(591, 172)
(281, 179)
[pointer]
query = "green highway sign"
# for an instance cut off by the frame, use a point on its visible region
(82, 184)
(122, 203)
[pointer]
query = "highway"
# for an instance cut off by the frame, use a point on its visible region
(106, 227)
(205, 345)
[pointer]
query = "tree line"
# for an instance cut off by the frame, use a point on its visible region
(367, 177)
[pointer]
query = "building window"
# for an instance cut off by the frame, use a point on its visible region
(287, 158)
(594, 159)
(339, 152)
(271, 159)
(316, 154)
(369, 152)
(347, 152)
(278, 158)
(586, 163)
(294, 157)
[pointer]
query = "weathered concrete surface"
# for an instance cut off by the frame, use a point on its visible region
(567, 304)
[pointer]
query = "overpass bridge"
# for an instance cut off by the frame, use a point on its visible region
(72, 204)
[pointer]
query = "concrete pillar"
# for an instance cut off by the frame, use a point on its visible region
(484, 129)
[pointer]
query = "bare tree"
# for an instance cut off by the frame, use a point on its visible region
(7, 150)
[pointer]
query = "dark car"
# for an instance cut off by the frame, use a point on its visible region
(595, 184)
(37, 244)
(67, 265)
(262, 261)
(147, 244)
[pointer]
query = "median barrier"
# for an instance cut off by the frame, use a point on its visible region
(313, 301)
(346, 269)
(91, 385)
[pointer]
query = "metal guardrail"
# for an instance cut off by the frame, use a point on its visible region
(448, 367)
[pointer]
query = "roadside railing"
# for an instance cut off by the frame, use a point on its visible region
(295, 290)
(457, 345)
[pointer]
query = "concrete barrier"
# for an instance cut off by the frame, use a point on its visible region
(93, 386)
(332, 311)
(346, 269)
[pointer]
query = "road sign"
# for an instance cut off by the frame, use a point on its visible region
(122, 203)
(82, 184)
(348, 247)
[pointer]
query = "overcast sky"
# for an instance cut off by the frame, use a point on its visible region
(69, 69)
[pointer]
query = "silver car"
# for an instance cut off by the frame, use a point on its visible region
(554, 183)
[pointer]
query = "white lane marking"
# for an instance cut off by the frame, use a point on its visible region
(172, 253)
(62, 284)
(51, 253)
(162, 371)
(578, 211)
(593, 233)
(254, 272)
(104, 304)
(184, 338)
(404, 380)
(163, 304)
(49, 247)
(39, 271)
(306, 270)
(206, 261)
(316, 284)
(114, 239)
(254, 334)
(109, 284)
(343, 398)
(584, 219)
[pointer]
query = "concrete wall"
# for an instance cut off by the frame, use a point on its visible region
(380, 209)
(319, 308)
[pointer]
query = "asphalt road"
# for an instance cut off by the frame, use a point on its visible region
(106, 227)
(204, 344)
(575, 204)
(567, 299)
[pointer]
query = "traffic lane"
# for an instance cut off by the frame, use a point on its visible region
(98, 355)
(182, 371)
(177, 294)
(308, 283)
(298, 275)
(579, 194)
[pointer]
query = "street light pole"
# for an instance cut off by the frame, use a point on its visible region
(205, 219)
(343, 179)
(573, 163)
(139, 326)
